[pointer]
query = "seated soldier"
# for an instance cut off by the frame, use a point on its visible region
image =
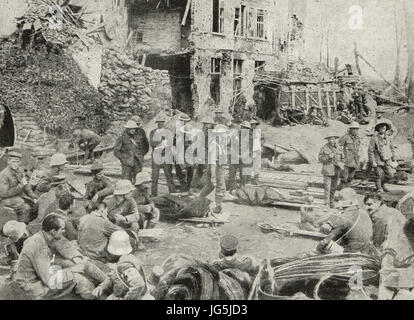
(87, 141)
(122, 209)
(230, 259)
(100, 186)
(36, 272)
(66, 202)
(149, 214)
(14, 188)
(57, 165)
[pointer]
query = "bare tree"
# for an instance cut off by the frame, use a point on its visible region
(409, 21)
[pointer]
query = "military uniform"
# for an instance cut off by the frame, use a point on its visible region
(141, 139)
(128, 209)
(330, 158)
(352, 230)
(12, 192)
(101, 186)
(146, 208)
(34, 274)
(380, 153)
(351, 145)
(157, 167)
(87, 141)
(130, 154)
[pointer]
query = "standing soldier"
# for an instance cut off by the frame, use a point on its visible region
(332, 160)
(350, 143)
(215, 172)
(14, 188)
(167, 167)
(129, 152)
(141, 137)
(381, 154)
(87, 141)
(185, 171)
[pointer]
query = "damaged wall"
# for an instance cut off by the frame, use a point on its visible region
(250, 45)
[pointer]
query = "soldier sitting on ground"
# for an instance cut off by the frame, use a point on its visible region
(100, 186)
(57, 165)
(150, 215)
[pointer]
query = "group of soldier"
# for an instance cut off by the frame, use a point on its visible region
(341, 158)
(352, 104)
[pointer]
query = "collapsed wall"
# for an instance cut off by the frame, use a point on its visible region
(129, 88)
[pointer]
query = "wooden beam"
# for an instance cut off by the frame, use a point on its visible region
(328, 104)
(293, 97)
(334, 100)
(187, 10)
(307, 100)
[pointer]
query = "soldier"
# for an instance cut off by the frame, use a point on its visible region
(87, 141)
(199, 170)
(167, 167)
(57, 165)
(141, 137)
(150, 215)
(215, 172)
(129, 152)
(100, 186)
(185, 171)
(219, 117)
(14, 188)
(122, 209)
(350, 143)
(184, 118)
(332, 159)
(381, 154)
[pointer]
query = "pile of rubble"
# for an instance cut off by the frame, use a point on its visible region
(129, 88)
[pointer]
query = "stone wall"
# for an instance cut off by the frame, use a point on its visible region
(129, 88)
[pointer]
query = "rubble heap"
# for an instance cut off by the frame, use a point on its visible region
(129, 88)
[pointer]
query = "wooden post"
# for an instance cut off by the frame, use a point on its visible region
(334, 101)
(357, 59)
(293, 97)
(307, 99)
(328, 104)
(320, 97)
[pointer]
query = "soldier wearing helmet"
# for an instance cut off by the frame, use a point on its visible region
(149, 214)
(350, 143)
(57, 165)
(100, 186)
(87, 141)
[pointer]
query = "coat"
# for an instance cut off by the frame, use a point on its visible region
(128, 151)
(11, 183)
(103, 187)
(141, 139)
(351, 147)
(128, 209)
(330, 158)
(381, 150)
(88, 137)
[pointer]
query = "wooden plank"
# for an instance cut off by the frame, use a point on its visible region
(294, 205)
(334, 101)
(307, 100)
(298, 232)
(187, 10)
(204, 220)
(293, 97)
(320, 97)
(328, 104)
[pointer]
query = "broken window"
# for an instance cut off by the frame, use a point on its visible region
(259, 65)
(218, 16)
(237, 31)
(215, 79)
(260, 23)
(240, 21)
(237, 76)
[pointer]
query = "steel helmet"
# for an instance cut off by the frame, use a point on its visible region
(246, 124)
(137, 120)
(142, 177)
(58, 159)
(123, 187)
(15, 229)
(119, 243)
(354, 125)
(184, 117)
(186, 129)
(220, 129)
(130, 125)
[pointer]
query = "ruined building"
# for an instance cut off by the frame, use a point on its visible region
(211, 48)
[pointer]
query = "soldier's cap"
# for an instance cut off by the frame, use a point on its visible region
(207, 120)
(380, 124)
(131, 125)
(228, 243)
(245, 124)
(347, 197)
(142, 177)
(15, 229)
(184, 118)
(58, 179)
(97, 166)
(123, 187)
(354, 125)
(186, 129)
(380, 110)
(161, 118)
(14, 154)
(255, 121)
(332, 135)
